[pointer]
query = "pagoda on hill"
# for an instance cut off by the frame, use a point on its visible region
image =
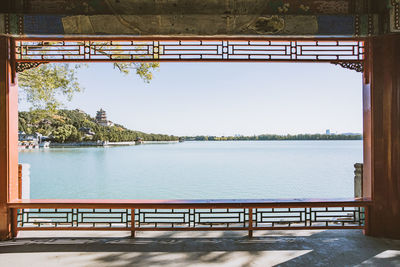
(101, 118)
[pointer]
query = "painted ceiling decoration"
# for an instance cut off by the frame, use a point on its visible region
(395, 16)
(153, 7)
(340, 18)
(285, 25)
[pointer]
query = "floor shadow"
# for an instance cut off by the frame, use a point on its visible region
(323, 248)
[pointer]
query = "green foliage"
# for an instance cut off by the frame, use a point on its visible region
(271, 137)
(44, 85)
(143, 70)
(47, 86)
(64, 133)
(64, 126)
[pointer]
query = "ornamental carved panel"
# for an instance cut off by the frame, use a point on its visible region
(395, 16)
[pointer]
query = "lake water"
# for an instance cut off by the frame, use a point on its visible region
(192, 170)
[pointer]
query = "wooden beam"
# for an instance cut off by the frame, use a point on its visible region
(185, 204)
(8, 136)
(181, 7)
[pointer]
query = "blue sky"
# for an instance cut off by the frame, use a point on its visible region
(226, 98)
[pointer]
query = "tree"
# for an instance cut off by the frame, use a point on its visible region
(143, 70)
(47, 85)
(63, 133)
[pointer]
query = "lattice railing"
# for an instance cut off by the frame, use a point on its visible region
(74, 218)
(310, 217)
(346, 215)
(191, 218)
(297, 50)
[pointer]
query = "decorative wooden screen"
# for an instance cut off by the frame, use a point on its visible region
(344, 217)
(229, 50)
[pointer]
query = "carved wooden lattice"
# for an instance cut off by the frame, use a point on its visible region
(192, 219)
(357, 66)
(298, 50)
(396, 14)
(21, 66)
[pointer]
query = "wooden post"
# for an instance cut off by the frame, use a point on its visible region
(14, 212)
(250, 222)
(381, 173)
(19, 181)
(366, 221)
(14, 222)
(133, 223)
(8, 135)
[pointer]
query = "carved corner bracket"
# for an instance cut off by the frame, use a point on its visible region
(21, 66)
(357, 66)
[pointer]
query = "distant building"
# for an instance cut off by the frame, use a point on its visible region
(35, 140)
(80, 111)
(101, 118)
(328, 132)
(87, 132)
(139, 141)
(22, 136)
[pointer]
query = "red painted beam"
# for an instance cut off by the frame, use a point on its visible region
(8, 135)
(195, 203)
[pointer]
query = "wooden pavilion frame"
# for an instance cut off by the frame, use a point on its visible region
(380, 57)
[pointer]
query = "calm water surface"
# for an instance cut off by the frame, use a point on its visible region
(189, 170)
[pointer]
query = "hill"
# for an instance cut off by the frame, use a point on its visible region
(74, 126)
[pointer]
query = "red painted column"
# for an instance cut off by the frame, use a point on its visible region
(381, 92)
(8, 136)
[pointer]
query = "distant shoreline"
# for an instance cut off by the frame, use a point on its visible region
(110, 144)
(274, 140)
(106, 144)
(119, 144)
(275, 137)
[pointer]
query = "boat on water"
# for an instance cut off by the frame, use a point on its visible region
(44, 144)
(139, 141)
(27, 145)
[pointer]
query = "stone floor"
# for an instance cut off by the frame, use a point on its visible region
(278, 248)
